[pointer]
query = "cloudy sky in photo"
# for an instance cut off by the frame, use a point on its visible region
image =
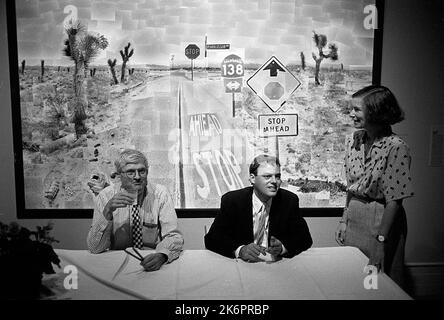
(158, 29)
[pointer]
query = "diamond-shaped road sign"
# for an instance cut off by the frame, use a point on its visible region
(273, 83)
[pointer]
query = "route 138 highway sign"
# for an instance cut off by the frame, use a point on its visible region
(232, 70)
(273, 83)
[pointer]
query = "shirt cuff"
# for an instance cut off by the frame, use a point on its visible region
(236, 253)
(167, 253)
(104, 226)
(284, 250)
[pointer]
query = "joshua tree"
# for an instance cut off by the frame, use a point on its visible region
(320, 42)
(42, 67)
(302, 61)
(23, 66)
(54, 114)
(81, 47)
(125, 54)
(112, 65)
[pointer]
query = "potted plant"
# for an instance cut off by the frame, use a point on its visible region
(24, 256)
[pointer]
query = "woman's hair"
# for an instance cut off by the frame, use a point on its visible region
(129, 156)
(380, 104)
(261, 159)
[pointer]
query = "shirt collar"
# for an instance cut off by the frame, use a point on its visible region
(360, 137)
(380, 143)
(257, 203)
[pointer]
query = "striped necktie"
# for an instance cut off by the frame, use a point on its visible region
(260, 229)
(136, 227)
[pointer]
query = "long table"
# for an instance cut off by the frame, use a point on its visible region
(316, 274)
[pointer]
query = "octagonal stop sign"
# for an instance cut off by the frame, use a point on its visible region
(192, 51)
(274, 90)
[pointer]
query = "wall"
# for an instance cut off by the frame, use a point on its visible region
(412, 34)
(412, 68)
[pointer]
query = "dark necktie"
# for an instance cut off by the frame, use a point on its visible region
(136, 227)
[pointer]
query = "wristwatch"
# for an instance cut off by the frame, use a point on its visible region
(380, 238)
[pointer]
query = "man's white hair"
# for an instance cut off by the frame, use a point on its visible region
(128, 156)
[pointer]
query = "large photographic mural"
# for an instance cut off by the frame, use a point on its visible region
(200, 86)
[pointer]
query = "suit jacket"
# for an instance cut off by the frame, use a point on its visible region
(233, 226)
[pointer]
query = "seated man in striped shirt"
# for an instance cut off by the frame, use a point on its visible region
(135, 213)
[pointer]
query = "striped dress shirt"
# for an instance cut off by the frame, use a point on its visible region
(158, 218)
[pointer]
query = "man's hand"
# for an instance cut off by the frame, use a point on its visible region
(120, 200)
(153, 261)
(275, 247)
(251, 252)
(340, 233)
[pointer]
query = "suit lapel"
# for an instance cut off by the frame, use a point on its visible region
(247, 212)
(274, 213)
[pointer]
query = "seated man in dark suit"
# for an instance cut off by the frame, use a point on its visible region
(260, 219)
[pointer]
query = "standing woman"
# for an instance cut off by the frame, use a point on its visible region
(377, 168)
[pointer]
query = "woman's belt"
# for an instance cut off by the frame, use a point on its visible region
(367, 199)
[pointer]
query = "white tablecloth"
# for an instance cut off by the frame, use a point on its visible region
(318, 273)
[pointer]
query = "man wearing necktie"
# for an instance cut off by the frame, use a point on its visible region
(135, 213)
(261, 220)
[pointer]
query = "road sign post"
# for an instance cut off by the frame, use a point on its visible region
(234, 105)
(192, 52)
(232, 70)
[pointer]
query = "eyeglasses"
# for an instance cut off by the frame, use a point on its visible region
(268, 177)
(132, 173)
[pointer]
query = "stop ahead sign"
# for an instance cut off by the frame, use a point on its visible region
(192, 51)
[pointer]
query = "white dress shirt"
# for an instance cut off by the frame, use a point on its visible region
(257, 213)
